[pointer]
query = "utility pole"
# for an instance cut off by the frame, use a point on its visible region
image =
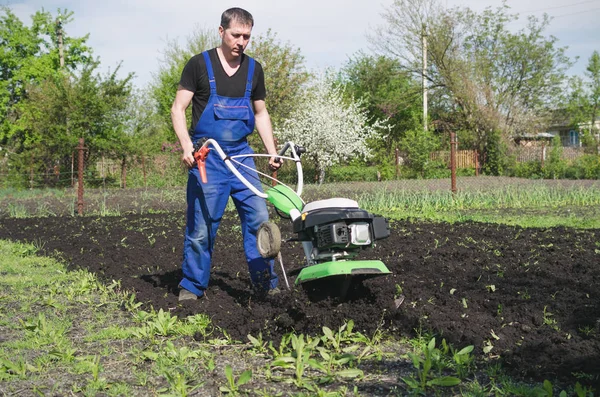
(59, 33)
(423, 75)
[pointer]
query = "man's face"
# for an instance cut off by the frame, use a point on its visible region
(235, 38)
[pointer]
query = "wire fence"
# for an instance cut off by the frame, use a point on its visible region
(166, 169)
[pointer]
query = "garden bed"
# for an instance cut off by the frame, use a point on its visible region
(526, 297)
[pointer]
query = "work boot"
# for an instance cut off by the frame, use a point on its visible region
(274, 291)
(260, 291)
(185, 295)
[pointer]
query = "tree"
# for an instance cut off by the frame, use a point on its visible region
(285, 74)
(330, 127)
(418, 145)
(388, 93)
(144, 124)
(582, 103)
(65, 107)
(29, 55)
(483, 77)
(593, 73)
(164, 85)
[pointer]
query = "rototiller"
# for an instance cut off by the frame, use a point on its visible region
(332, 231)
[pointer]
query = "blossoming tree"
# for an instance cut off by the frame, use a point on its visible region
(330, 127)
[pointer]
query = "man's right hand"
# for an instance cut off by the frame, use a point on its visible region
(188, 155)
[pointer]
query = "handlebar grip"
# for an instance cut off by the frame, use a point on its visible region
(200, 153)
(202, 170)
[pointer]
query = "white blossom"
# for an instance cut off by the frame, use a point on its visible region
(332, 128)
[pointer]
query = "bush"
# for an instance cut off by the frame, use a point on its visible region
(495, 155)
(351, 173)
(555, 167)
(529, 169)
(585, 167)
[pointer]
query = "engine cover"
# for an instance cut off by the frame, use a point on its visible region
(338, 229)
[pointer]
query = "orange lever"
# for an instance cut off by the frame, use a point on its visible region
(200, 156)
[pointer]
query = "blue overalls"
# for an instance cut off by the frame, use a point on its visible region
(228, 121)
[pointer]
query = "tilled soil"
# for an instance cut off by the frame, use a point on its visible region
(528, 297)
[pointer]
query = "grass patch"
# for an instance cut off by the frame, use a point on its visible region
(65, 333)
(540, 206)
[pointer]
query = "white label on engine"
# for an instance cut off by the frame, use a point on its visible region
(360, 233)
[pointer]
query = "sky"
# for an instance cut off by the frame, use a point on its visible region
(327, 32)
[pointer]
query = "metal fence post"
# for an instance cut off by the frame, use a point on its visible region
(73, 169)
(144, 169)
(397, 163)
(80, 148)
(124, 172)
(453, 144)
(31, 174)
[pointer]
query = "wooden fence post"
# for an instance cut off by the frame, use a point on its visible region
(476, 155)
(80, 148)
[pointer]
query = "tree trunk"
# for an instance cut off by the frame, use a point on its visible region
(321, 176)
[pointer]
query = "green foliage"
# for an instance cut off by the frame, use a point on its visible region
(428, 358)
(585, 167)
(582, 103)
(485, 77)
(233, 385)
(15, 369)
(47, 108)
(494, 154)
(285, 74)
(165, 82)
(555, 166)
(528, 169)
(30, 55)
(333, 356)
(299, 358)
(389, 93)
(349, 173)
(418, 144)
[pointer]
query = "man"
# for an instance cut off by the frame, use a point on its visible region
(227, 92)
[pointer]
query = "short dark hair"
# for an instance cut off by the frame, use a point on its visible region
(236, 14)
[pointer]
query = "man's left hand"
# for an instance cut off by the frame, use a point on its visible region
(275, 163)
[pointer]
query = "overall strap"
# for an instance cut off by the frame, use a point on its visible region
(211, 74)
(249, 78)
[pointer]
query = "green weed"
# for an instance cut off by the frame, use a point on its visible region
(233, 384)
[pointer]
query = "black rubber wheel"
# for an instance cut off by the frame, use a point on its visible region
(268, 240)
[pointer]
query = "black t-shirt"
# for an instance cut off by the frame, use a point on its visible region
(195, 78)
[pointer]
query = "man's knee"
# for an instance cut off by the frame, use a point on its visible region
(198, 235)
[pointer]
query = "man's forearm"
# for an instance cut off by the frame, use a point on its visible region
(265, 130)
(179, 125)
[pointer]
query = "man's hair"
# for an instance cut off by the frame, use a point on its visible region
(239, 15)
